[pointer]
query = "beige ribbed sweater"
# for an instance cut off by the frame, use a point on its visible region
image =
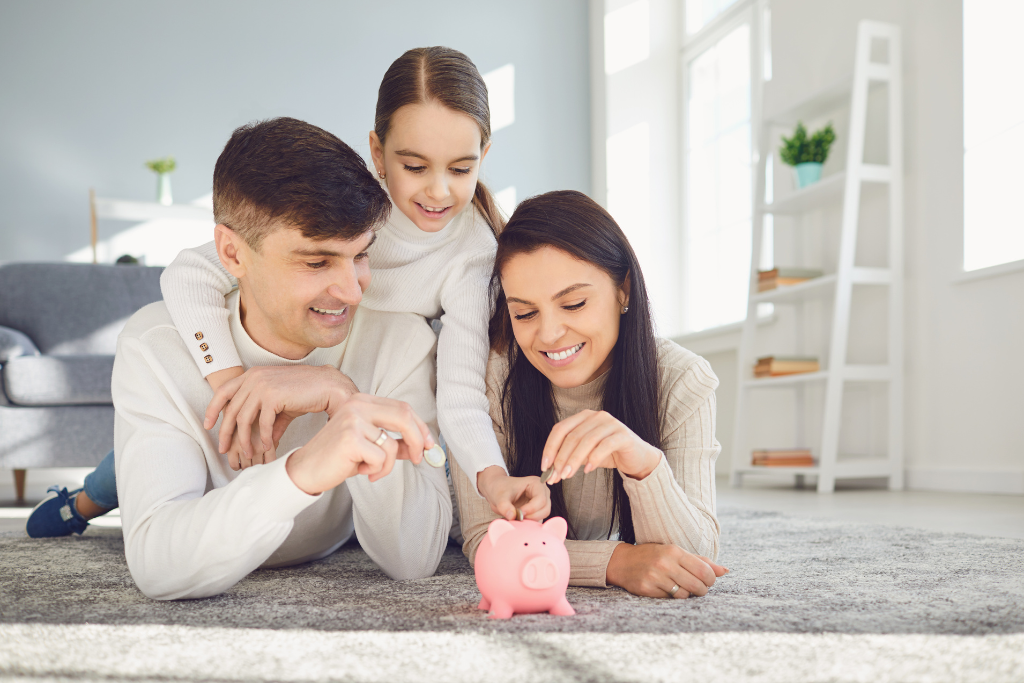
(674, 504)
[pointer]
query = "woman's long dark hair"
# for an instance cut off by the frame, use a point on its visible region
(577, 225)
(441, 74)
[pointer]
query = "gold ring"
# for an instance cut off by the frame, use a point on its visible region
(674, 590)
(381, 439)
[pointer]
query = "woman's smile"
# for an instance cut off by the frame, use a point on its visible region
(564, 356)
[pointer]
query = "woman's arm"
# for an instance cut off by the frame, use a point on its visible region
(194, 287)
(675, 503)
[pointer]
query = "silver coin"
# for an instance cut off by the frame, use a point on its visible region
(435, 456)
(547, 474)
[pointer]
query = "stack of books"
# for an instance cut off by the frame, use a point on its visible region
(773, 366)
(770, 279)
(784, 457)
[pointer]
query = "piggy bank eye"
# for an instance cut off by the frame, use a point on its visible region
(526, 544)
(543, 542)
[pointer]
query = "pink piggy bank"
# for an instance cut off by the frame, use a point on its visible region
(523, 567)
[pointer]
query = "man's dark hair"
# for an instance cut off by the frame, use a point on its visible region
(288, 170)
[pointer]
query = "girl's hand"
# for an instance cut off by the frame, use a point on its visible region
(653, 569)
(505, 494)
(592, 439)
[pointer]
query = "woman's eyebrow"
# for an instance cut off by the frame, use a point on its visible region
(568, 290)
(417, 155)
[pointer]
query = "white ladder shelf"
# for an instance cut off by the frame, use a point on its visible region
(846, 187)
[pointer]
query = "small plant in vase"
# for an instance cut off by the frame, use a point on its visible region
(806, 155)
(163, 168)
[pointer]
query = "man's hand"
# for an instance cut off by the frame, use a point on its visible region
(266, 400)
(505, 494)
(592, 439)
(347, 446)
(652, 569)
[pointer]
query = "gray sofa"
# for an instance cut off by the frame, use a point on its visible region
(58, 331)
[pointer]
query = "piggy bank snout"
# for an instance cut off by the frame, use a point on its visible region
(540, 573)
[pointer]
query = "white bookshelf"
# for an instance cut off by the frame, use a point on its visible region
(839, 189)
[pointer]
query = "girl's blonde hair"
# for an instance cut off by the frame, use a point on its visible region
(448, 76)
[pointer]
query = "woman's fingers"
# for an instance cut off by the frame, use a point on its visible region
(696, 566)
(579, 444)
(717, 568)
(557, 436)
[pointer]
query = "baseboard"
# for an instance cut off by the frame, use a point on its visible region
(966, 481)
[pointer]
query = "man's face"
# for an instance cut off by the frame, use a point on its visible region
(297, 293)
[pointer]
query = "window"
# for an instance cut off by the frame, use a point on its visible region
(717, 161)
(993, 133)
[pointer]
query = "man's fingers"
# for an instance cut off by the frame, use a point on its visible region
(538, 507)
(268, 419)
(233, 461)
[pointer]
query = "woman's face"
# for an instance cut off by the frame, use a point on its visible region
(565, 314)
(431, 159)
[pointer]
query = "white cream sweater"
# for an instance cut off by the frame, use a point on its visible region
(193, 527)
(436, 275)
(674, 504)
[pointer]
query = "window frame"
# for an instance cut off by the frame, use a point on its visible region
(750, 12)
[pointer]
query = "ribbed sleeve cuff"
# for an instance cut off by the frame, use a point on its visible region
(649, 494)
(588, 562)
(284, 499)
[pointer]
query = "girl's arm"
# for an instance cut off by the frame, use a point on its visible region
(462, 352)
(675, 503)
(194, 287)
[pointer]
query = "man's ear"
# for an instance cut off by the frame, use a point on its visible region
(376, 153)
(231, 249)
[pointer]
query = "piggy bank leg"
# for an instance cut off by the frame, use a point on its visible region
(485, 604)
(562, 609)
(501, 610)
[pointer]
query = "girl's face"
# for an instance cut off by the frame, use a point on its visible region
(431, 160)
(565, 314)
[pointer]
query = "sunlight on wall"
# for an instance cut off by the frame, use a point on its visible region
(993, 133)
(501, 96)
(154, 243)
(506, 200)
(629, 193)
(700, 12)
(627, 36)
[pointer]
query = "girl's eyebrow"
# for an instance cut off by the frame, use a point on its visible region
(410, 153)
(568, 290)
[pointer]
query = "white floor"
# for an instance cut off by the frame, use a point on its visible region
(974, 513)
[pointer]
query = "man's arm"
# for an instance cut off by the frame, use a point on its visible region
(402, 521)
(180, 541)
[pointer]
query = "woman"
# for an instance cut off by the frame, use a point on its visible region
(578, 383)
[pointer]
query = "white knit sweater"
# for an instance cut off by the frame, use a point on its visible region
(436, 275)
(193, 527)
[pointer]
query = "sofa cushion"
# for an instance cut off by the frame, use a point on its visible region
(58, 380)
(14, 343)
(74, 308)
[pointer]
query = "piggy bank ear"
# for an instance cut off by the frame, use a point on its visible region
(499, 528)
(557, 527)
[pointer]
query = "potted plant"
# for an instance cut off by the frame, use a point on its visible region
(163, 168)
(806, 155)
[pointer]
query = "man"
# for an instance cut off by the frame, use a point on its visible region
(296, 209)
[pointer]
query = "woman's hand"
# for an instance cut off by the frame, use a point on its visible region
(592, 439)
(263, 401)
(653, 569)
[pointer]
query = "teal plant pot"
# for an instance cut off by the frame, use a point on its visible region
(807, 173)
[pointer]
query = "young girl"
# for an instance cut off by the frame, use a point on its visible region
(433, 257)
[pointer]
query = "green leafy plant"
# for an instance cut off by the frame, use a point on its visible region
(165, 165)
(800, 149)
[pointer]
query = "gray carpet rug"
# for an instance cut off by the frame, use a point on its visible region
(807, 600)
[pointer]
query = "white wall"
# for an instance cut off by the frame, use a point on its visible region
(964, 427)
(89, 91)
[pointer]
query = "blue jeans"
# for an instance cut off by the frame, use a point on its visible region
(101, 484)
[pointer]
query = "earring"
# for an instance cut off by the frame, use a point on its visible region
(381, 174)
(625, 308)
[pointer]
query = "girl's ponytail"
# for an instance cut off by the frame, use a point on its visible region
(448, 76)
(485, 203)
